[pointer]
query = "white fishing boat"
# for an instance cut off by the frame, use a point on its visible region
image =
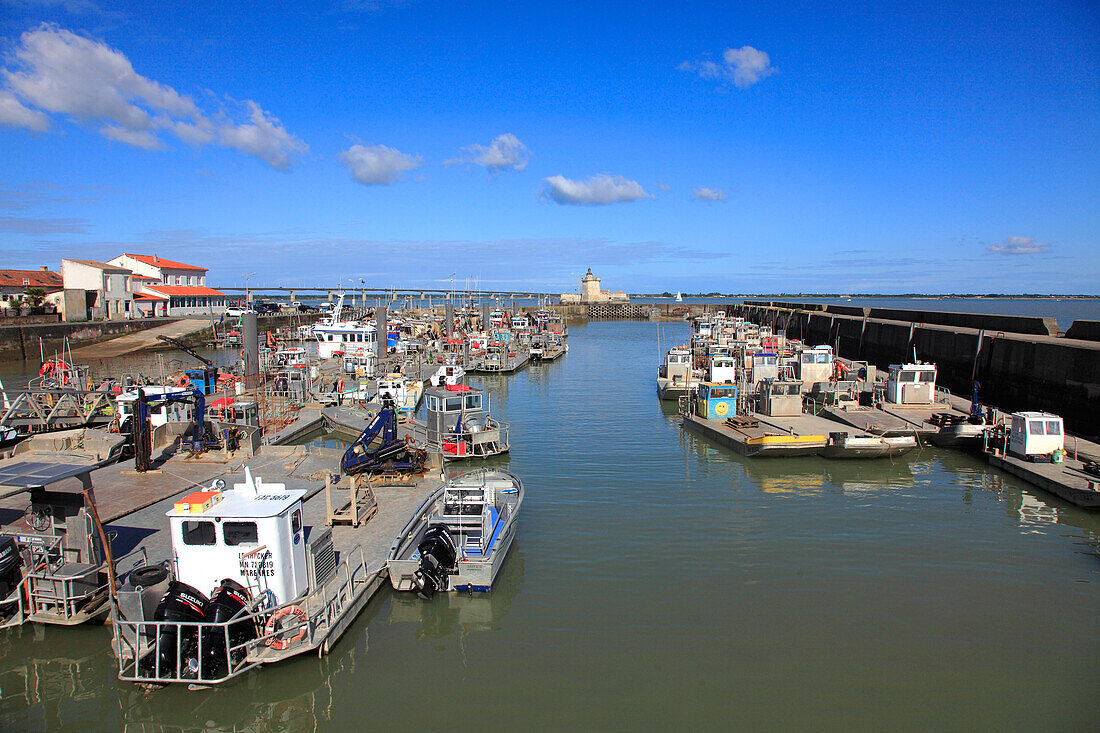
(458, 538)
(336, 336)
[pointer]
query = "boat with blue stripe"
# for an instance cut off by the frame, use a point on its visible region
(458, 538)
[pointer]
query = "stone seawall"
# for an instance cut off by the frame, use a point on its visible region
(1016, 371)
(30, 341)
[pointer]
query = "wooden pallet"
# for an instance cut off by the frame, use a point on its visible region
(360, 506)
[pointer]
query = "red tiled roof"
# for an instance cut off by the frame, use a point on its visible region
(161, 262)
(148, 296)
(145, 277)
(44, 279)
(185, 290)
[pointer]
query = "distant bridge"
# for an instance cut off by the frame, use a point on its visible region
(391, 293)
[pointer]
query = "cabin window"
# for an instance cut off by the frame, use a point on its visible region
(1035, 427)
(822, 358)
(907, 377)
(330, 337)
(473, 402)
(454, 404)
(433, 403)
(198, 533)
(1054, 427)
(240, 533)
(807, 358)
(296, 521)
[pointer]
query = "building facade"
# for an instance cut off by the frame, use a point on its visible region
(109, 288)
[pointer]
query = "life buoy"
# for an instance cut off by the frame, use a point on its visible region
(278, 643)
(184, 381)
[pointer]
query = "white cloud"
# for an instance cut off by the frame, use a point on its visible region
(263, 136)
(742, 67)
(1018, 246)
(60, 72)
(596, 191)
(378, 165)
(702, 193)
(505, 151)
(137, 138)
(15, 114)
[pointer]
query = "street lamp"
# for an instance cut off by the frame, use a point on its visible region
(247, 292)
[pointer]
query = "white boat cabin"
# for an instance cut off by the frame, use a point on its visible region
(677, 366)
(166, 412)
(815, 364)
(1036, 434)
(765, 365)
(722, 370)
(334, 335)
(252, 534)
(911, 384)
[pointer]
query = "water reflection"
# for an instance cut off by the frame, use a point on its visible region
(300, 695)
(460, 614)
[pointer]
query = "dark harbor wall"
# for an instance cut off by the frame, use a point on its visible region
(1023, 369)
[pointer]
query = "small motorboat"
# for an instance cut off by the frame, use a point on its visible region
(458, 538)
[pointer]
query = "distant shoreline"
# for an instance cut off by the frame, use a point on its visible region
(863, 296)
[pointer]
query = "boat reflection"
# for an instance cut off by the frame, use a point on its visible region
(32, 686)
(449, 614)
(299, 696)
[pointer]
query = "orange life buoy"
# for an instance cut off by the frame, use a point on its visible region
(184, 381)
(278, 643)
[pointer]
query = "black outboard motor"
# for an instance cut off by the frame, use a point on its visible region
(438, 555)
(11, 564)
(180, 603)
(230, 600)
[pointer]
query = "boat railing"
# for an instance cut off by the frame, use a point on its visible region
(210, 653)
(206, 652)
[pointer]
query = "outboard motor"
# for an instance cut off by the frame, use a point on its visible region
(437, 559)
(11, 564)
(230, 600)
(180, 603)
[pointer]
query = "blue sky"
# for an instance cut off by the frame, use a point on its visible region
(734, 147)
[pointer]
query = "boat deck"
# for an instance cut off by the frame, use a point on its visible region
(764, 439)
(891, 421)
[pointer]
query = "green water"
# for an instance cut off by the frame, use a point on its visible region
(659, 582)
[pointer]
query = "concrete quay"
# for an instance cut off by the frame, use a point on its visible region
(1016, 371)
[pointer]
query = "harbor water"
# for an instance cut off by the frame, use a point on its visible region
(659, 581)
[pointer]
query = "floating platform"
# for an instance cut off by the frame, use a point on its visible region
(1066, 480)
(752, 437)
(758, 435)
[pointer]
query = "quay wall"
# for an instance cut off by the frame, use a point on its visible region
(1087, 330)
(1034, 325)
(22, 342)
(1015, 371)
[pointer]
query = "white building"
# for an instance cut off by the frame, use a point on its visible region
(170, 288)
(109, 287)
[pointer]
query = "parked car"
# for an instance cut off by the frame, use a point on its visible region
(303, 308)
(264, 307)
(237, 310)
